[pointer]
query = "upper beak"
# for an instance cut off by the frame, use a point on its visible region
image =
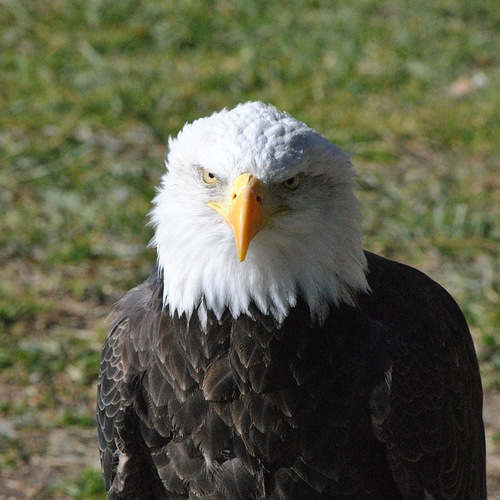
(243, 211)
(245, 215)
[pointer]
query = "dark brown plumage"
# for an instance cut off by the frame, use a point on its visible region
(383, 401)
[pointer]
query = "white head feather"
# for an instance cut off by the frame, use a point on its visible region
(314, 251)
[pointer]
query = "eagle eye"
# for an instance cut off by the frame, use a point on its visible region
(292, 183)
(208, 178)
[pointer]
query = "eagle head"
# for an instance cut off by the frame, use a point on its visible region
(257, 209)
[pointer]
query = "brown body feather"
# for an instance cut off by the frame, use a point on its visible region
(383, 401)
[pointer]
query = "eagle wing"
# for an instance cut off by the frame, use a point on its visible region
(126, 441)
(428, 410)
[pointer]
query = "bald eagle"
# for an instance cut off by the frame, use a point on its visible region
(268, 356)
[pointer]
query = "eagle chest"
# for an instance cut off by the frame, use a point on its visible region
(246, 396)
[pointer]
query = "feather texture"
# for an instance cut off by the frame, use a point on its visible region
(382, 401)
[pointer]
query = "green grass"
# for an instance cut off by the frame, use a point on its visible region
(90, 90)
(88, 486)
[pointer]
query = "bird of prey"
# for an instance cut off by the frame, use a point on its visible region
(268, 356)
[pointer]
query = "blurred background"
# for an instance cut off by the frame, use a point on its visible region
(90, 90)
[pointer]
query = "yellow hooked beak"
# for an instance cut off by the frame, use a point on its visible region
(243, 211)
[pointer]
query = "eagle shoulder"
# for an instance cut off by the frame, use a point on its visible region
(428, 408)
